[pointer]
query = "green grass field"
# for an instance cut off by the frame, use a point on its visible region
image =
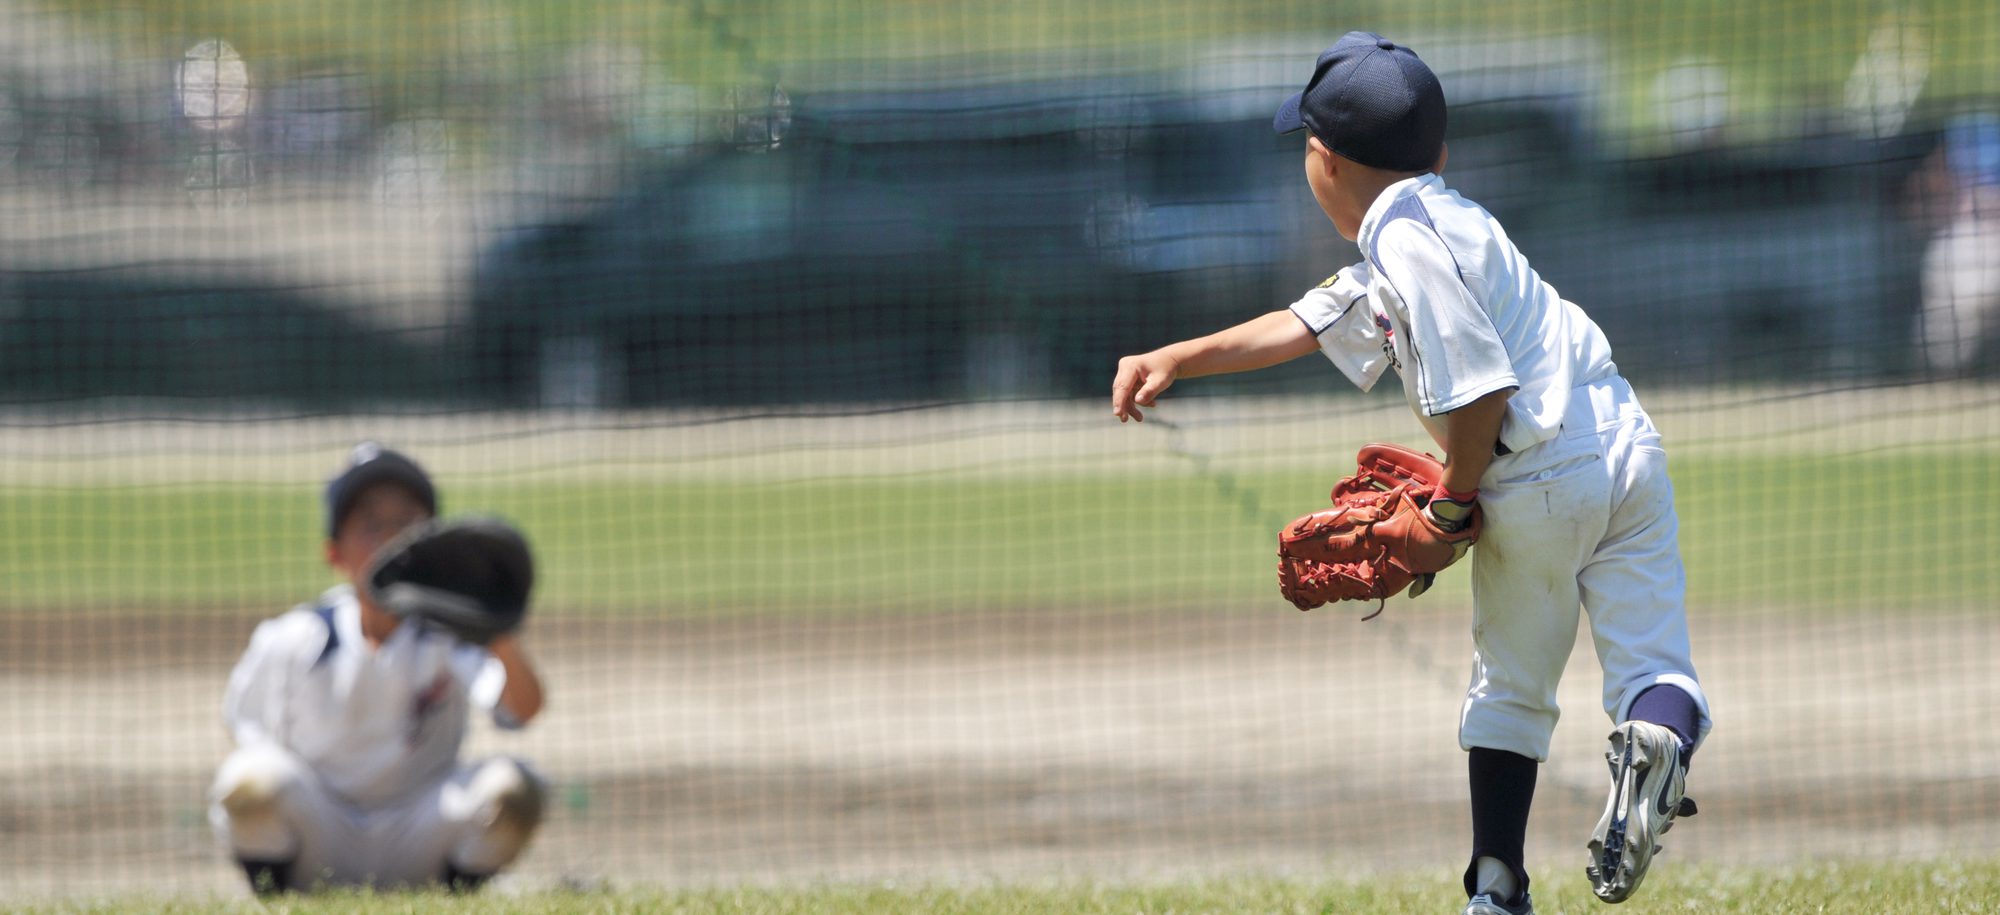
(1877, 889)
(1829, 533)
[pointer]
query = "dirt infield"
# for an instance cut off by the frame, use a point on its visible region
(1030, 744)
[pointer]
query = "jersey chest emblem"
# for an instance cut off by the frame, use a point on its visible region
(1389, 341)
(426, 705)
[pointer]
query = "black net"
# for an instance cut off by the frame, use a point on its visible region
(785, 329)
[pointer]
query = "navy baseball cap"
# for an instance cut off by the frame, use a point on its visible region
(1371, 100)
(368, 464)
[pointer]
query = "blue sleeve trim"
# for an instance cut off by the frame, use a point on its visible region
(1316, 331)
(1405, 207)
(1410, 207)
(325, 612)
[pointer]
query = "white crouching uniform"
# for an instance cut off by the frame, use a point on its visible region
(1578, 507)
(347, 755)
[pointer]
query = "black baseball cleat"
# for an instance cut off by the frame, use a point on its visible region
(267, 878)
(1648, 782)
(459, 883)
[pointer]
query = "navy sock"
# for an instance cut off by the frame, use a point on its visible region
(1503, 788)
(1665, 704)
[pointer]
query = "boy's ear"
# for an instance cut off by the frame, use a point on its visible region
(332, 553)
(1328, 161)
(1444, 154)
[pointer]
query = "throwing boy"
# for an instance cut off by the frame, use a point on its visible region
(1539, 431)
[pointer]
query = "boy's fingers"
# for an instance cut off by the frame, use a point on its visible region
(1121, 389)
(1136, 386)
(1151, 390)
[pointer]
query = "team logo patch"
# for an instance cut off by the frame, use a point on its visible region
(430, 700)
(1389, 341)
(1329, 282)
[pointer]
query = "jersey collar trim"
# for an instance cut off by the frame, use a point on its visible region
(1378, 212)
(346, 614)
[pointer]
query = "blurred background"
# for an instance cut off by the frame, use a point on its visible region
(786, 327)
(616, 205)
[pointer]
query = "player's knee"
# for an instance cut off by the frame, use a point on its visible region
(1522, 731)
(509, 799)
(255, 781)
(516, 793)
(256, 808)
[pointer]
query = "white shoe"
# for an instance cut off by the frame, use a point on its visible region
(1488, 904)
(1647, 792)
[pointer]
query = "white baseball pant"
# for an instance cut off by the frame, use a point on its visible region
(1584, 519)
(267, 805)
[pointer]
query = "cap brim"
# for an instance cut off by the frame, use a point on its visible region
(1288, 119)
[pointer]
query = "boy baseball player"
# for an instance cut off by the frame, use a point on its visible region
(1538, 430)
(348, 725)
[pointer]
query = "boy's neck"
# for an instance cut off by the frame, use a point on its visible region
(1374, 183)
(1367, 187)
(376, 624)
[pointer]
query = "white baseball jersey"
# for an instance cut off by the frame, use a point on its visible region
(1579, 510)
(377, 725)
(1465, 313)
(1352, 332)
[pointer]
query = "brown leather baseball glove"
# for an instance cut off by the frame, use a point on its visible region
(1380, 538)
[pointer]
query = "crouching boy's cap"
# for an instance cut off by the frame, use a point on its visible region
(368, 464)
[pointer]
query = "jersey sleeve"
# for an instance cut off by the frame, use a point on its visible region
(1340, 317)
(253, 704)
(1457, 351)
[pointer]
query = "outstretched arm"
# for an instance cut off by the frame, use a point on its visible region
(521, 696)
(1260, 342)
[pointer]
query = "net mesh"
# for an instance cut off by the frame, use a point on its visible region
(785, 328)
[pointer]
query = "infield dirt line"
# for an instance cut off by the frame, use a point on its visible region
(1031, 744)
